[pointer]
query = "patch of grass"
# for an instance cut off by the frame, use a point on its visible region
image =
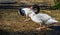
(57, 5)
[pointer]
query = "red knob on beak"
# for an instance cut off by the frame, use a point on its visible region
(31, 7)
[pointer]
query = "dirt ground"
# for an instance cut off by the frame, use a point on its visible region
(10, 20)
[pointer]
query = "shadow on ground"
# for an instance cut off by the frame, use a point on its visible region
(55, 31)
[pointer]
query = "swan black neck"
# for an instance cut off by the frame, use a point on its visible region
(37, 8)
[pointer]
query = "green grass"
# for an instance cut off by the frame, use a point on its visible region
(57, 5)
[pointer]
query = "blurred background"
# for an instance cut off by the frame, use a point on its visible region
(11, 21)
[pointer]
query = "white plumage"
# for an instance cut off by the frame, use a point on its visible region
(42, 18)
(39, 18)
(27, 11)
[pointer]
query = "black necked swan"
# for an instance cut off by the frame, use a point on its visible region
(42, 19)
(37, 17)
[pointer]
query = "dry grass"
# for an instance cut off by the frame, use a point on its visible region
(10, 20)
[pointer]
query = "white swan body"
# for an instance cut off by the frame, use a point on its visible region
(42, 18)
